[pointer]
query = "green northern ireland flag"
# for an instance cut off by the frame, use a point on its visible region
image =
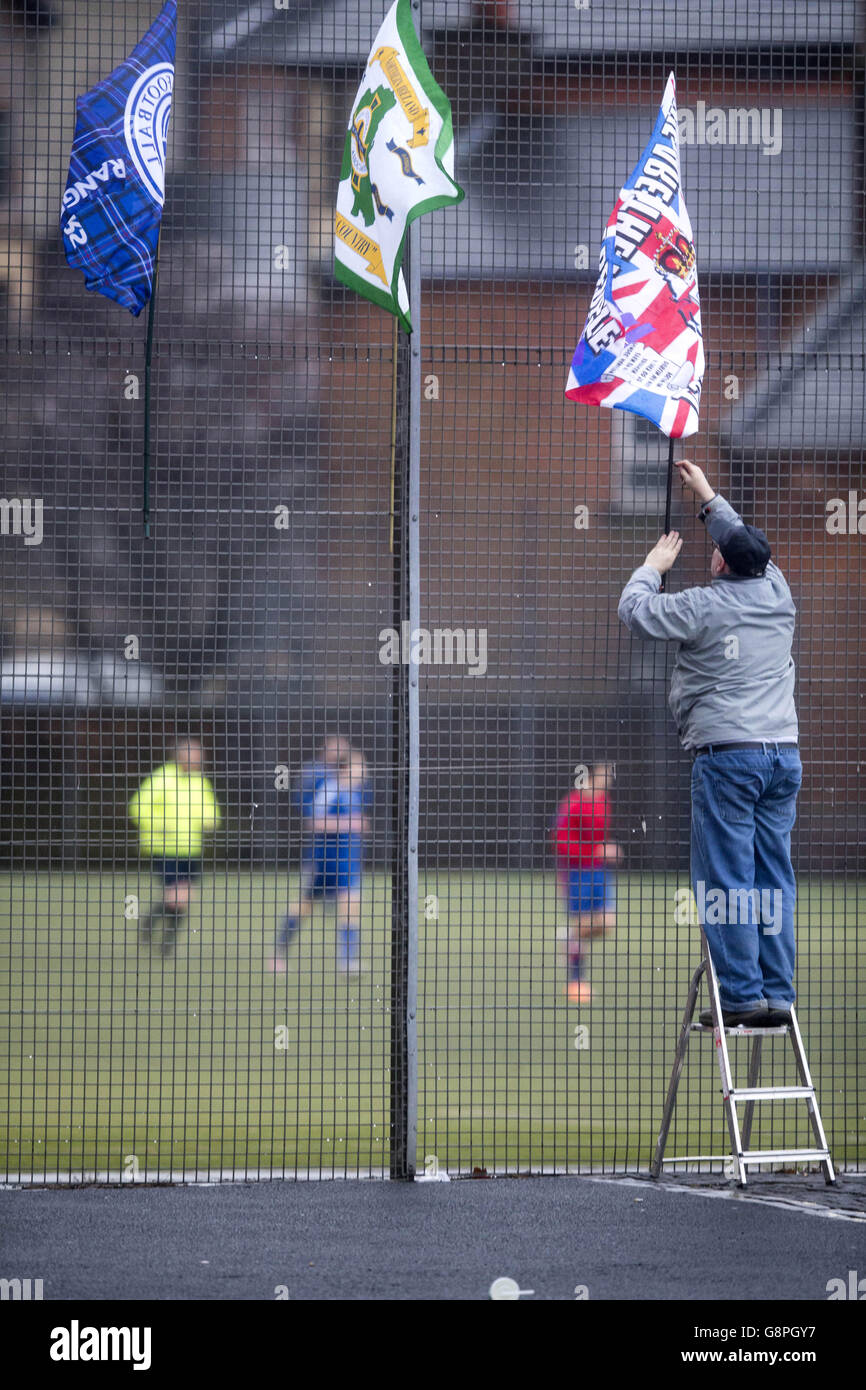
(398, 162)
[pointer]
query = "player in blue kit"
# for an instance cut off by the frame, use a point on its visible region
(334, 801)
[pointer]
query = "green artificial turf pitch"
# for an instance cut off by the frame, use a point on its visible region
(115, 1062)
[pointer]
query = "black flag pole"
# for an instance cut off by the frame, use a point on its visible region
(668, 500)
(148, 357)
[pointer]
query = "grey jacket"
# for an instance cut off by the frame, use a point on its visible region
(733, 677)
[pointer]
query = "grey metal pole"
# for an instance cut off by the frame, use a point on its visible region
(414, 530)
(401, 1159)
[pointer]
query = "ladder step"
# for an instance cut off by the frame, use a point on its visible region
(785, 1155)
(699, 1158)
(772, 1092)
(742, 1032)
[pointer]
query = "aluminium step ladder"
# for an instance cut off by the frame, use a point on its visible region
(741, 1156)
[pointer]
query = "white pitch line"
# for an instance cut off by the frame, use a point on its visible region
(26, 1182)
(729, 1195)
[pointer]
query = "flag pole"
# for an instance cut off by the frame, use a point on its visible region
(395, 353)
(668, 499)
(404, 906)
(414, 529)
(148, 357)
(405, 532)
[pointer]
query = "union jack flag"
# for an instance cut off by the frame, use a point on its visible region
(641, 348)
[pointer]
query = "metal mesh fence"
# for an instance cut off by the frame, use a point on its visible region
(152, 1029)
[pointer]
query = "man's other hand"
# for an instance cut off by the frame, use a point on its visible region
(665, 551)
(694, 479)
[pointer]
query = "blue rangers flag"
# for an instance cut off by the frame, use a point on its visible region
(642, 348)
(116, 185)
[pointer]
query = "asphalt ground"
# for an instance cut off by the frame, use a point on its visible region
(559, 1238)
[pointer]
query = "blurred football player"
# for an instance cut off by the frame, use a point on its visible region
(585, 859)
(173, 809)
(334, 801)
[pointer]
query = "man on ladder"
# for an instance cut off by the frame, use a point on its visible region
(732, 695)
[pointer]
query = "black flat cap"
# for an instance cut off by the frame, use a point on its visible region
(745, 550)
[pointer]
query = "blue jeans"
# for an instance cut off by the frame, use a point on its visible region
(744, 803)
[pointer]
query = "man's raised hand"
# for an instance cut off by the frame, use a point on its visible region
(694, 479)
(665, 551)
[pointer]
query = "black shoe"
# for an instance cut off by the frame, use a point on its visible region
(778, 1018)
(744, 1018)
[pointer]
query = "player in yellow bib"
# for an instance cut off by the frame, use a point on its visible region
(173, 809)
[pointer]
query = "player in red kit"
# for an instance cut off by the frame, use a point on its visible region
(585, 859)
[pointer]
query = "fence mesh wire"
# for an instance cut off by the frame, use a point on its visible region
(253, 620)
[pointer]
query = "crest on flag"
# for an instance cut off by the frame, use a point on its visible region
(145, 126)
(641, 348)
(398, 163)
(115, 190)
